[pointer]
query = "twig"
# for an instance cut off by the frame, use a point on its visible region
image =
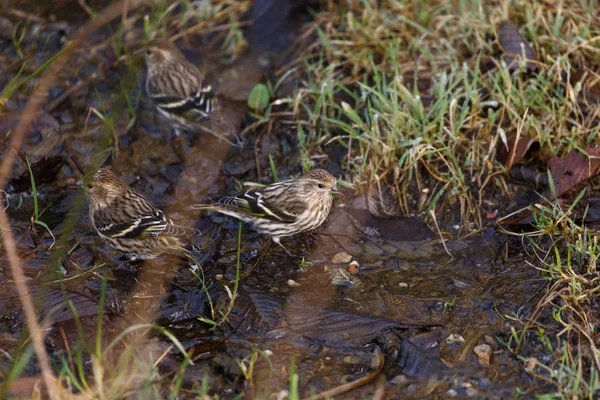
(59, 100)
(78, 165)
(351, 385)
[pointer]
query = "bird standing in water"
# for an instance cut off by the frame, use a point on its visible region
(178, 89)
(129, 223)
(283, 208)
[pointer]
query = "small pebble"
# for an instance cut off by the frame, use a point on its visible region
(403, 284)
(471, 392)
(341, 257)
(399, 380)
(353, 267)
(454, 338)
(484, 354)
(292, 283)
(451, 393)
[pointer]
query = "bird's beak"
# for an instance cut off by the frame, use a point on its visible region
(77, 185)
(335, 190)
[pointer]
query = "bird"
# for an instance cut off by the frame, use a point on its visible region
(179, 91)
(281, 209)
(129, 223)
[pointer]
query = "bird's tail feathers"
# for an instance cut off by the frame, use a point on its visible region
(203, 207)
(216, 203)
(200, 254)
(178, 230)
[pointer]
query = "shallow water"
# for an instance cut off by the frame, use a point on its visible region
(424, 309)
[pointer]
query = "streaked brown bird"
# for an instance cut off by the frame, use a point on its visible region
(177, 88)
(283, 208)
(129, 223)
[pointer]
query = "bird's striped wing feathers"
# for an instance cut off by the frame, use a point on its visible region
(144, 226)
(143, 220)
(194, 108)
(183, 93)
(263, 202)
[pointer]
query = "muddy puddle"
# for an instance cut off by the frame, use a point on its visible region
(378, 303)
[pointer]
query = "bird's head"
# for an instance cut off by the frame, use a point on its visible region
(102, 188)
(160, 52)
(319, 182)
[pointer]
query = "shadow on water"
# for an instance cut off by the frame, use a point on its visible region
(423, 303)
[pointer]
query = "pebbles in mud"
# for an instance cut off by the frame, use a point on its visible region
(484, 354)
(341, 277)
(353, 267)
(292, 283)
(454, 338)
(341, 257)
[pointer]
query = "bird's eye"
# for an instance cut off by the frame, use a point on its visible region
(148, 51)
(321, 186)
(89, 185)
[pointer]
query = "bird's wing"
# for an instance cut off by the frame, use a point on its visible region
(194, 103)
(268, 202)
(142, 221)
(142, 226)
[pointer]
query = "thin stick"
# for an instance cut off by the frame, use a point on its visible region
(68, 93)
(351, 385)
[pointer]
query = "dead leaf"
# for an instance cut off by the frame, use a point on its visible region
(41, 123)
(573, 170)
(338, 328)
(44, 170)
(54, 305)
(515, 47)
(530, 175)
(515, 149)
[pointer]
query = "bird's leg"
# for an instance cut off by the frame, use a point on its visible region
(263, 253)
(178, 145)
(240, 141)
(277, 240)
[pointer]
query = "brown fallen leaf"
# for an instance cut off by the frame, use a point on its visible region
(589, 95)
(572, 170)
(516, 48)
(515, 149)
(42, 122)
(44, 170)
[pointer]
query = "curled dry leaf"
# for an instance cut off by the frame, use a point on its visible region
(567, 173)
(44, 170)
(516, 48)
(515, 149)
